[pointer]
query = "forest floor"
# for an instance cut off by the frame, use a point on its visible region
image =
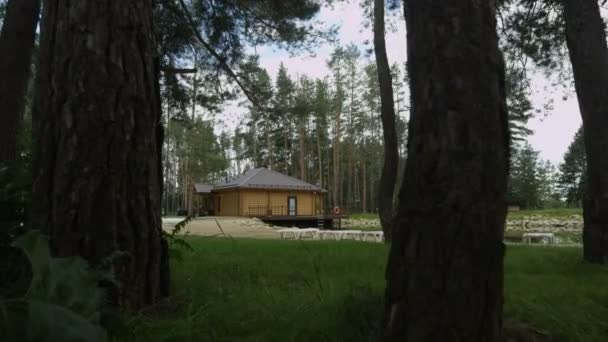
(268, 290)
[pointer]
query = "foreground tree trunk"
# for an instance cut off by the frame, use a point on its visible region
(97, 120)
(16, 45)
(388, 178)
(445, 269)
(589, 57)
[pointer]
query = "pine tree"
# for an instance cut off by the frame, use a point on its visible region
(302, 110)
(97, 124)
(283, 115)
(388, 179)
(588, 50)
(572, 171)
(261, 121)
(353, 121)
(525, 178)
(445, 268)
(337, 67)
(322, 106)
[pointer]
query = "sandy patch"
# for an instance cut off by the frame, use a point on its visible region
(233, 226)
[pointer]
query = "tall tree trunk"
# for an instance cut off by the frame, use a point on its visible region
(387, 114)
(364, 194)
(320, 157)
(445, 270)
(255, 147)
(16, 43)
(336, 161)
(302, 151)
(97, 119)
(286, 148)
(349, 178)
(269, 143)
(589, 57)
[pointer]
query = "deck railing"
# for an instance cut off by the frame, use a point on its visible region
(283, 210)
(264, 210)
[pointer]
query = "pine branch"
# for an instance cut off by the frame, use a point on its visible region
(179, 71)
(217, 56)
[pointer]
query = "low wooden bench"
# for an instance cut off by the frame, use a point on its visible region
(545, 238)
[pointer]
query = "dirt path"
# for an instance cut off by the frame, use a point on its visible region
(233, 226)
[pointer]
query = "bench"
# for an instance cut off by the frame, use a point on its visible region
(545, 238)
(377, 235)
(298, 233)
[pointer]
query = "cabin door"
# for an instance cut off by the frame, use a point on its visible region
(292, 205)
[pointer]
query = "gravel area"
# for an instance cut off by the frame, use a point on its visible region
(233, 226)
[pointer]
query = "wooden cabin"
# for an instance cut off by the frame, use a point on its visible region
(265, 193)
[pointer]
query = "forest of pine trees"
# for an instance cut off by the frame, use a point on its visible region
(113, 110)
(324, 131)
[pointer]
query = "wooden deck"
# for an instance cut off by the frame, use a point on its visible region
(321, 221)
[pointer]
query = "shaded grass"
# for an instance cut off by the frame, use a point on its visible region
(364, 216)
(545, 213)
(555, 291)
(263, 290)
(566, 237)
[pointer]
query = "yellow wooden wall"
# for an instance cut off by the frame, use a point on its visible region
(230, 203)
(250, 199)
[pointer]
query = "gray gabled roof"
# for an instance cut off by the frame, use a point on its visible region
(202, 188)
(262, 178)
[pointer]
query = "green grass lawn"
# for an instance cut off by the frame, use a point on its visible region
(566, 237)
(514, 215)
(363, 216)
(263, 290)
(545, 213)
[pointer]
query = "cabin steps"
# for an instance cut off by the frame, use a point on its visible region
(320, 222)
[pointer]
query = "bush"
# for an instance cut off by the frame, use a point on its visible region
(62, 303)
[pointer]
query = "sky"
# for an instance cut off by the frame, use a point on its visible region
(553, 129)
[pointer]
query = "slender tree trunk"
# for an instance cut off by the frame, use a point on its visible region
(319, 153)
(336, 161)
(445, 270)
(372, 203)
(97, 119)
(302, 151)
(364, 194)
(349, 178)
(16, 43)
(586, 40)
(269, 143)
(387, 114)
(184, 182)
(287, 156)
(255, 148)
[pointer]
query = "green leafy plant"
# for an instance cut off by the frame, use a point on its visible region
(175, 239)
(63, 301)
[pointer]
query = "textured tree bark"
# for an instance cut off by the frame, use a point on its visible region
(97, 121)
(16, 43)
(388, 177)
(586, 41)
(445, 269)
